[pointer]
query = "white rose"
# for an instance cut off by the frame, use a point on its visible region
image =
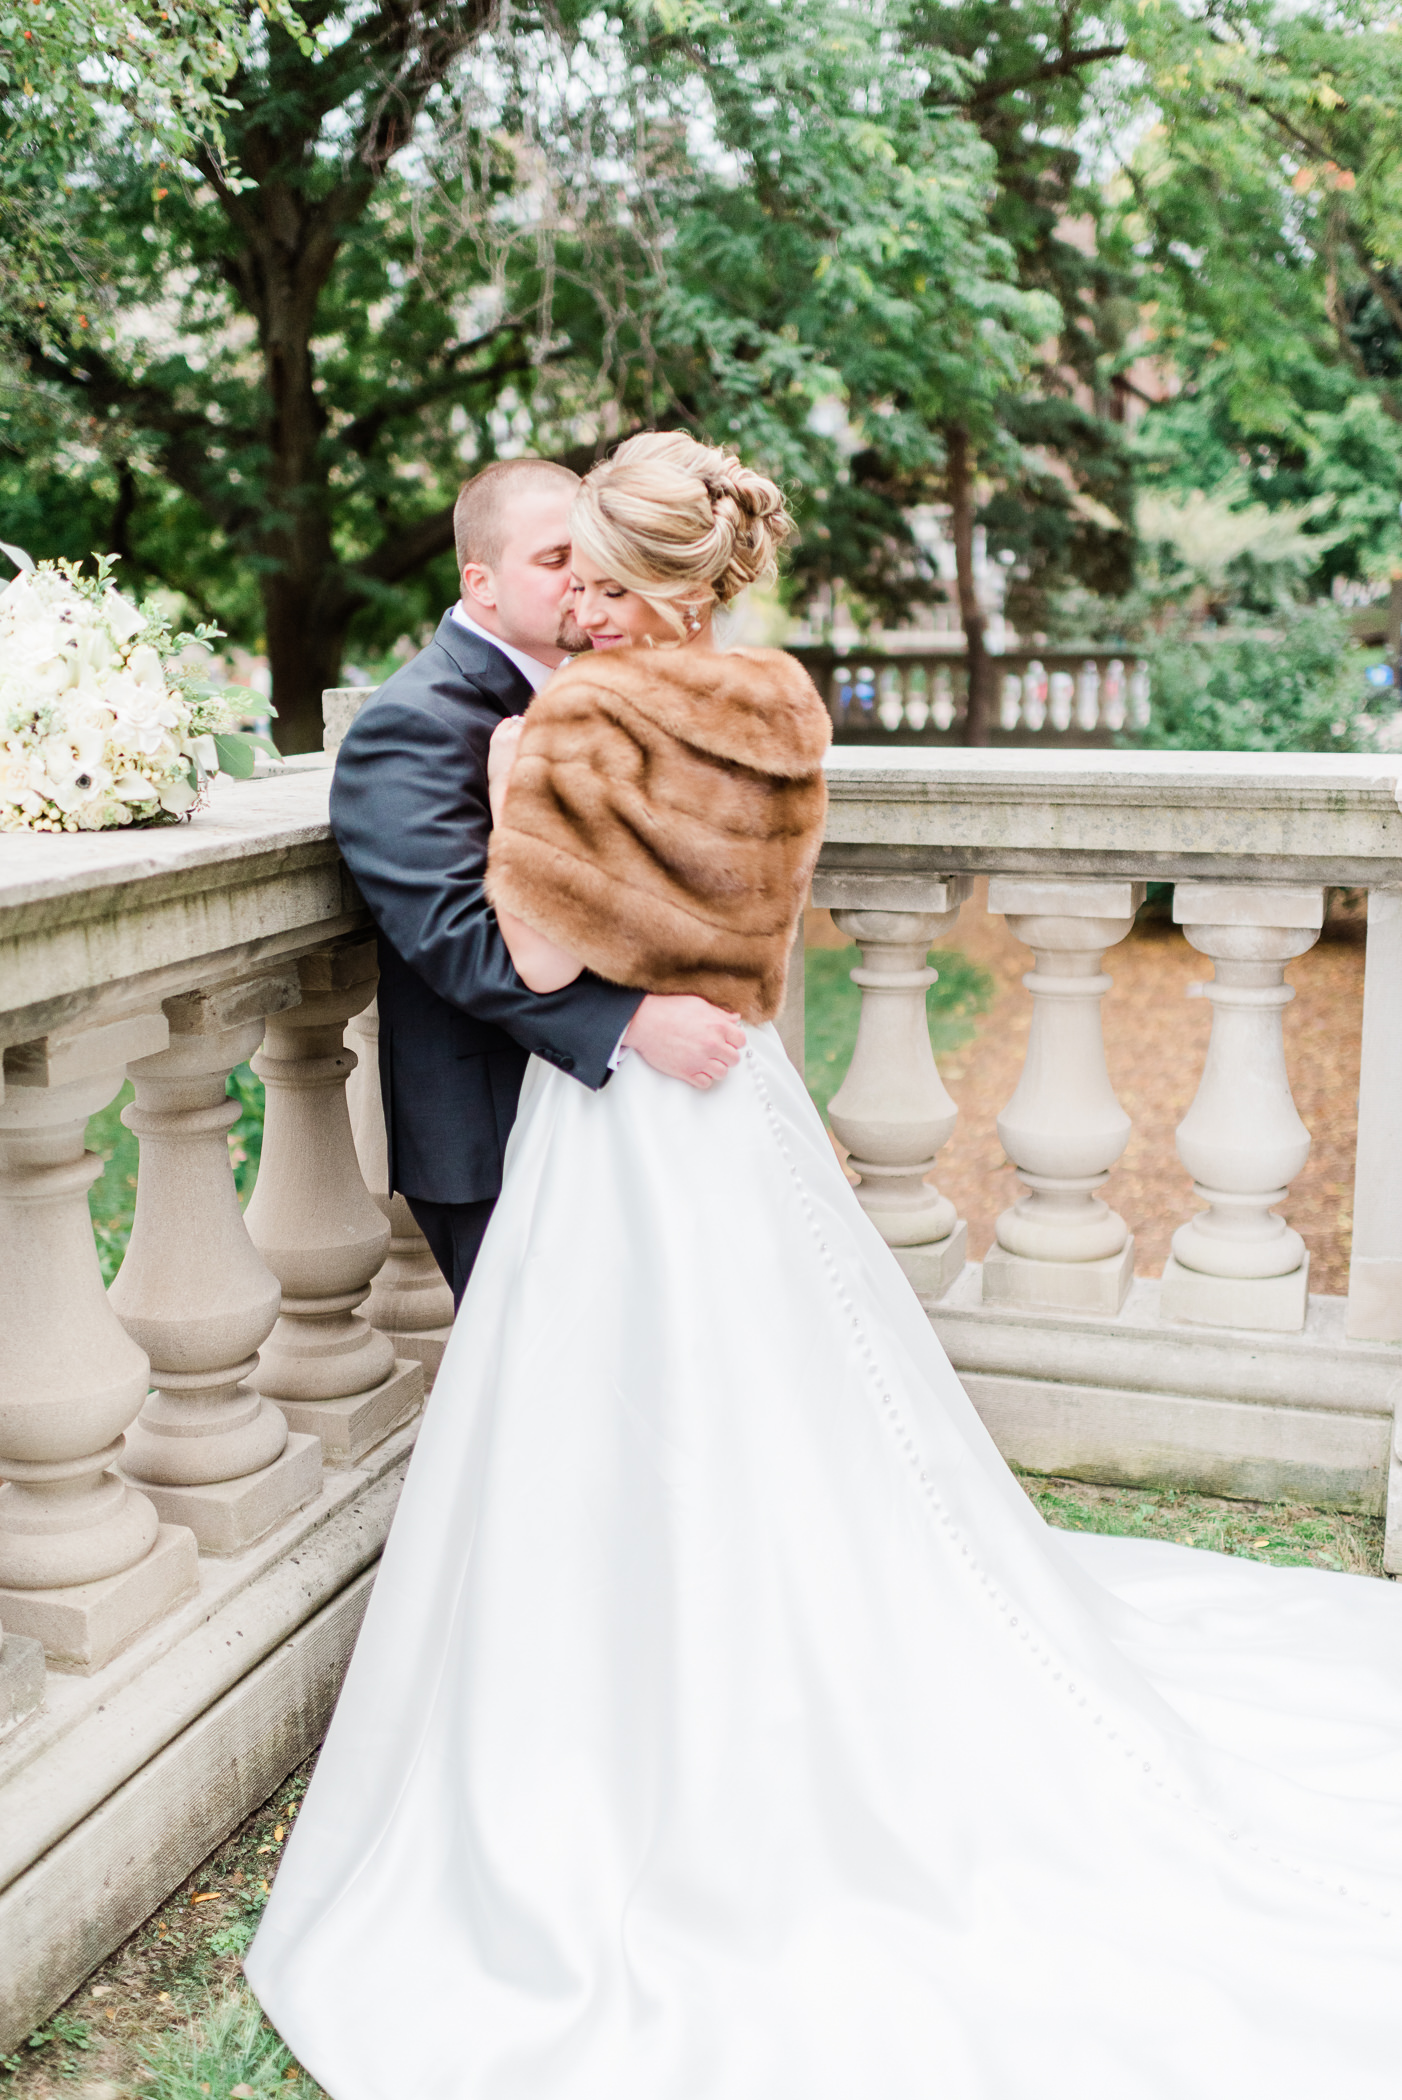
(145, 713)
(40, 663)
(14, 775)
(97, 814)
(86, 708)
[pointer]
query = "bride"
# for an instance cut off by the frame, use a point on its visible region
(726, 1724)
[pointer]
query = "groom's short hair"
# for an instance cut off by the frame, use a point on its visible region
(479, 515)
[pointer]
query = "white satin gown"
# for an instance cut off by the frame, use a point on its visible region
(726, 1724)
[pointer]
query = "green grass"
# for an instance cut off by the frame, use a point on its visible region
(112, 1197)
(834, 1005)
(168, 2016)
(229, 2050)
(1287, 1534)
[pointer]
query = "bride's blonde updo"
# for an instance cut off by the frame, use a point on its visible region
(679, 522)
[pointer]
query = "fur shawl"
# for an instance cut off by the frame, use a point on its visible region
(664, 817)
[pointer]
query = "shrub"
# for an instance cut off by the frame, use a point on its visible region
(1297, 687)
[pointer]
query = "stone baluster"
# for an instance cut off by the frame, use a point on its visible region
(409, 1301)
(85, 1564)
(1061, 697)
(1238, 1264)
(207, 1448)
(21, 1657)
(892, 1111)
(317, 1227)
(1060, 1245)
(890, 703)
(1010, 703)
(791, 1021)
(1375, 1269)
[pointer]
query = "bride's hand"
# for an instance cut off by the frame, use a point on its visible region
(686, 1037)
(501, 757)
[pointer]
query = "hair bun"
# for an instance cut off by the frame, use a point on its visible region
(692, 514)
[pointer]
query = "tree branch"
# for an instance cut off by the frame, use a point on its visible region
(1338, 321)
(1382, 291)
(185, 451)
(1061, 67)
(407, 549)
(360, 435)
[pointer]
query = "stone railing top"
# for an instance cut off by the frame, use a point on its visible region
(244, 817)
(95, 922)
(1248, 775)
(1165, 815)
(94, 925)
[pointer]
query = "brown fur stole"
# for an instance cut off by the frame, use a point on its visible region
(664, 817)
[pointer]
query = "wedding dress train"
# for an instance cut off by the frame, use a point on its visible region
(726, 1724)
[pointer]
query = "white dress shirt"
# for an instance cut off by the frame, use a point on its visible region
(531, 668)
(535, 673)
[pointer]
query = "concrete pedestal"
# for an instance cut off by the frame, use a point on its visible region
(932, 1269)
(351, 1426)
(228, 1515)
(21, 1678)
(84, 1626)
(1392, 1536)
(1059, 1286)
(125, 1779)
(1275, 1304)
(424, 1347)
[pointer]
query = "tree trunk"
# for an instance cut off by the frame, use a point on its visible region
(305, 640)
(972, 617)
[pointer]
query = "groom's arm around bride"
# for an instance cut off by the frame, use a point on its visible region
(410, 811)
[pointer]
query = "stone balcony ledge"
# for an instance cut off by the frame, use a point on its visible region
(96, 924)
(1156, 815)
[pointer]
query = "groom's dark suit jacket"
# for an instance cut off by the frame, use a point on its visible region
(410, 813)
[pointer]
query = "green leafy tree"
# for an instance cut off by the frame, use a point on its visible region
(73, 72)
(1049, 451)
(1268, 206)
(442, 243)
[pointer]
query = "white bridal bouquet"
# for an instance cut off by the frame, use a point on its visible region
(99, 724)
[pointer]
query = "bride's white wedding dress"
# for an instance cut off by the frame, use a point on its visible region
(726, 1724)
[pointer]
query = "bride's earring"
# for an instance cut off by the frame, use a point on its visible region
(693, 620)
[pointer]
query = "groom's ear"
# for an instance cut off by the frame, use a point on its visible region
(479, 586)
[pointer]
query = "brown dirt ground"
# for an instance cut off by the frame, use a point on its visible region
(1155, 1040)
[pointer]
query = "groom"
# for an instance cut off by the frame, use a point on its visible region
(410, 813)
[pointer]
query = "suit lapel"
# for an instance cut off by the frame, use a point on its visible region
(493, 675)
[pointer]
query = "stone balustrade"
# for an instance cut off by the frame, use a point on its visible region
(200, 1463)
(1072, 698)
(1225, 1373)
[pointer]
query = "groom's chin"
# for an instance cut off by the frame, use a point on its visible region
(571, 636)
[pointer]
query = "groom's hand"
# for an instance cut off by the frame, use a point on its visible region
(686, 1038)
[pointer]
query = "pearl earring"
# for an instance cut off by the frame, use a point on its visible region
(693, 620)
